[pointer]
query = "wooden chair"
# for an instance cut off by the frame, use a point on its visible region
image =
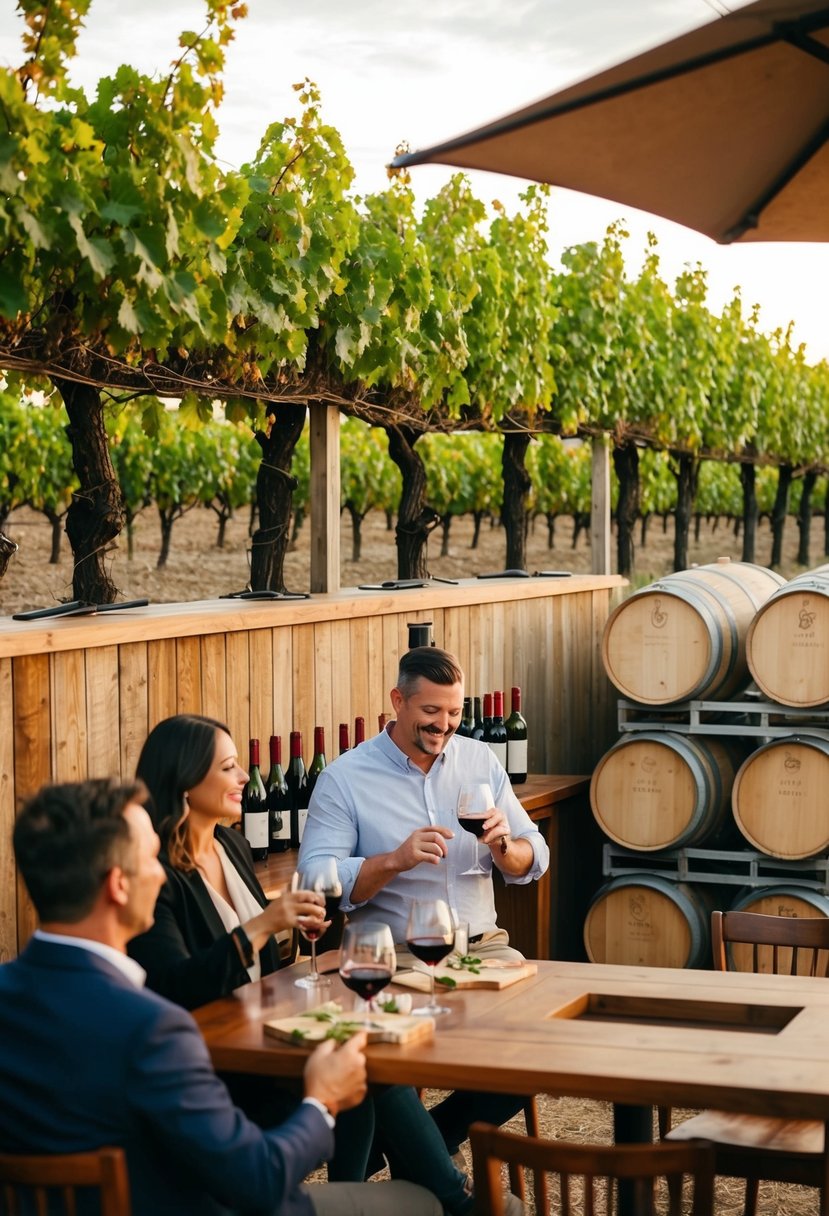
(638, 1164)
(48, 1181)
(752, 1146)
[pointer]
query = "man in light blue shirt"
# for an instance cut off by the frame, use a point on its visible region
(387, 810)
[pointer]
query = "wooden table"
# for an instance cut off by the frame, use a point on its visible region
(544, 919)
(628, 1035)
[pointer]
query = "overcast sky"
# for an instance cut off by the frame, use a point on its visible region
(391, 70)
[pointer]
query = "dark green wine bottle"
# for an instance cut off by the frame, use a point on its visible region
(279, 801)
(467, 722)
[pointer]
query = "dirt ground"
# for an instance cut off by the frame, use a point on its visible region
(198, 570)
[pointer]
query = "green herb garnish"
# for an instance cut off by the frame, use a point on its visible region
(465, 962)
(340, 1032)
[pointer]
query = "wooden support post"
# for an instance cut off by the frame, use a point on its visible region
(324, 496)
(600, 506)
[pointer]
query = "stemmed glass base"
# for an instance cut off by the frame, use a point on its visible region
(313, 979)
(432, 1010)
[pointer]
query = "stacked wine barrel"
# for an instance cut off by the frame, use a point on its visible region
(702, 635)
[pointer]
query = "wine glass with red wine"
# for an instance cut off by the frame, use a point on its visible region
(321, 877)
(430, 936)
(367, 958)
(474, 805)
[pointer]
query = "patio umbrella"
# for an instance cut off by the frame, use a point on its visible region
(723, 130)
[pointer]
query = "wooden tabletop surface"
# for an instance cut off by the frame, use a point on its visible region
(694, 1038)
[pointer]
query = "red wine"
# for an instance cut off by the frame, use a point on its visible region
(318, 763)
(429, 950)
(516, 725)
(496, 734)
(359, 731)
(297, 780)
(344, 744)
(279, 800)
(473, 823)
(477, 719)
(332, 905)
(255, 817)
(366, 980)
(312, 931)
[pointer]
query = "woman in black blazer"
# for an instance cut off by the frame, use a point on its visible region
(214, 930)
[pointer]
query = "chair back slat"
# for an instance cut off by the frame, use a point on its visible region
(794, 944)
(45, 1179)
(641, 1164)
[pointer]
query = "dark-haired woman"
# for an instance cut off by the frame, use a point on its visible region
(214, 930)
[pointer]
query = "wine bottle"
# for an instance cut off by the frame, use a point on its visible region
(255, 807)
(467, 722)
(516, 725)
(478, 728)
(344, 744)
(487, 716)
(297, 780)
(359, 731)
(318, 762)
(279, 801)
(496, 736)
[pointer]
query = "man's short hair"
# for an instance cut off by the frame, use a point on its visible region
(427, 663)
(66, 840)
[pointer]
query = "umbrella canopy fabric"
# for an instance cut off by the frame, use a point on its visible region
(723, 130)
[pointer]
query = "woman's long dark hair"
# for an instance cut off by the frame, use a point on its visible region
(177, 755)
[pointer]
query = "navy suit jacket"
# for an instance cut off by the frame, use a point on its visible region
(188, 954)
(87, 1059)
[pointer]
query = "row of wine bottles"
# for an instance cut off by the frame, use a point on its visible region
(508, 739)
(274, 809)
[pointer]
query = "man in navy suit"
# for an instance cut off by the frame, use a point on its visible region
(88, 1057)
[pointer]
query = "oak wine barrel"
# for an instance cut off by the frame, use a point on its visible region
(661, 790)
(787, 645)
(780, 797)
(777, 899)
(683, 637)
(643, 919)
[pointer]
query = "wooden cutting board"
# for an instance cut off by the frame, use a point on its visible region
(380, 1027)
(493, 974)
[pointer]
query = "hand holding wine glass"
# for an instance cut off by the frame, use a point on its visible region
(367, 958)
(475, 802)
(321, 878)
(430, 935)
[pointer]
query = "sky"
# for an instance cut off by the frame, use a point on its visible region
(393, 70)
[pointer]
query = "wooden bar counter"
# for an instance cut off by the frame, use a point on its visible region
(78, 695)
(543, 919)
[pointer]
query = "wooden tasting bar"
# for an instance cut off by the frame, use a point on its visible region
(79, 695)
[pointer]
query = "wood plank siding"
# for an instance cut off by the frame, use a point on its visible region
(78, 695)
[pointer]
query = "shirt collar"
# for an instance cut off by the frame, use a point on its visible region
(386, 743)
(128, 967)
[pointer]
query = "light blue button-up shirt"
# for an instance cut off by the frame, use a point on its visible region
(372, 798)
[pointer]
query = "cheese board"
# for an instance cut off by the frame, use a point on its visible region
(488, 973)
(330, 1022)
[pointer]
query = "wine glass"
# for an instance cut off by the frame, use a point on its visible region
(430, 935)
(474, 804)
(321, 877)
(367, 958)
